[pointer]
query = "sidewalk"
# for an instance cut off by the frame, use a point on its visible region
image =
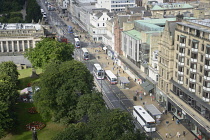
(172, 128)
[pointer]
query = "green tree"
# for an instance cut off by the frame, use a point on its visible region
(89, 105)
(107, 125)
(33, 11)
(61, 85)
(49, 50)
(8, 95)
(9, 70)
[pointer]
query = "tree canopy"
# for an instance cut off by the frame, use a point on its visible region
(49, 50)
(61, 85)
(33, 11)
(8, 95)
(108, 125)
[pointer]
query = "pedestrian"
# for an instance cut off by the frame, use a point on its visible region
(166, 111)
(178, 135)
(140, 97)
(177, 121)
(107, 58)
(123, 71)
(108, 63)
(113, 63)
(119, 71)
(166, 135)
(184, 133)
(128, 78)
(173, 117)
(135, 80)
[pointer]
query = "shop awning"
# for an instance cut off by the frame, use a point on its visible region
(147, 86)
(153, 110)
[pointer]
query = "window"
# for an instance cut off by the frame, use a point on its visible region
(177, 47)
(186, 81)
(103, 24)
(199, 89)
(187, 71)
(177, 37)
(200, 79)
(201, 68)
(188, 53)
(98, 24)
(201, 58)
(188, 62)
(202, 47)
(189, 42)
(177, 56)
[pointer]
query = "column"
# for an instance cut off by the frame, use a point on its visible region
(23, 45)
(7, 45)
(2, 47)
(13, 48)
(18, 46)
(28, 44)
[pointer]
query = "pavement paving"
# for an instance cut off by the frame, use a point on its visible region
(108, 64)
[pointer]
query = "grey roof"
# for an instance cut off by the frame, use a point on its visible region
(124, 80)
(153, 110)
(147, 14)
(172, 26)
(16, 59)
(123, 18)
(99, 14)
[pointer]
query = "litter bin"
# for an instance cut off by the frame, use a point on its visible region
(134, 98)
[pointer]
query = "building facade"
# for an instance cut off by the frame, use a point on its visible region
(115, 5)
(19, 36)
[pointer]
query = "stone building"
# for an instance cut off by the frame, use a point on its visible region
(184, 69)
(17, 37)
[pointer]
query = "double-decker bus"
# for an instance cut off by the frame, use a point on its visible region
(98, 71)
(144, 119)
(77, 43)
(111, 77)
(85, 54)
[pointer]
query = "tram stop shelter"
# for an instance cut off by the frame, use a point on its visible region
(124, 82)
(154, 112)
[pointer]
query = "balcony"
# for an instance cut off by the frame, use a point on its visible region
(192, 80)
(208, 56)
(180, 82)
(193, 60)
(206, 77)
(206, 88)
(181, 63)
(191, 90)
(207, 67)
(180, 73)
(206, 99)
(192, 70)
(181, 54)
(194, 50)
(182, 45)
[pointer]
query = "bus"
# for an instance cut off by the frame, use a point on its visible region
(85, 54)
(76, 42)
(98, 71)
(70, 29)
(144, 119)
(111, 77)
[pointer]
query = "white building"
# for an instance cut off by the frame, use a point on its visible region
(115, 5)
(98, 24)
(17, 37)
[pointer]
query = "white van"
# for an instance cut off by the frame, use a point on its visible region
(42, 11)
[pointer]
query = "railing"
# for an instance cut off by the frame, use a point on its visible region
(191, 89)
(206, 88)
(193, 60)
(192, 80)
(192, 70)
(206, 77)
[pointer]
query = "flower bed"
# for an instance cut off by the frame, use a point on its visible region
(36, 125)
(32, 110)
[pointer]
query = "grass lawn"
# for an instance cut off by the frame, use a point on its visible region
(25, 78)
(19, 132)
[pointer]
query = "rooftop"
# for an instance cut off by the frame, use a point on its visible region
(15, 26)
(133, 33)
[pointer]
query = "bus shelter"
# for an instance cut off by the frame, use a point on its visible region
(124, 82)
(154, 112)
